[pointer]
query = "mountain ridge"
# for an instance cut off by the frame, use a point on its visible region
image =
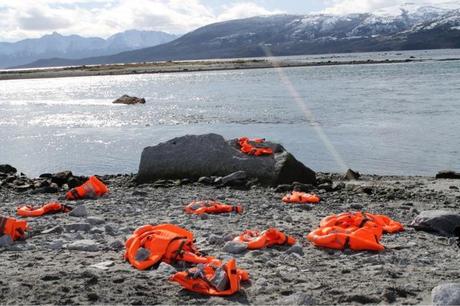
(76, 46)
(414, 28)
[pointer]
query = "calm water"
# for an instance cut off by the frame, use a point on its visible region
(383, 119)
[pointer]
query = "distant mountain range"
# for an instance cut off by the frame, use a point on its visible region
(408, 27)
(75, 47)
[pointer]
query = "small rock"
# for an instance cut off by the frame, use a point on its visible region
(336, 186)
(8, 169)
(85, 245)
(235, 179)
(235, 247)
(283, 188)
(103, 265)
(79, 211)
(109, 230)
(128, 100)
(55, 229)
(447, 174)
(61, 178)
(95, 220)
(296, 248)
(296, 186)
(56, 245)
(165, 269)
(5, 240)
(351, 175)
(77, 227)
(446, 294)
(205, 180)
(97, 230)
(142, 254)
(297, 299)
(215, 239)
(356, 206)
(117, 245)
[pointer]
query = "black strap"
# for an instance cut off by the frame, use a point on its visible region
(286, 238)
(179, 250)
(74, 193)
(346, 245)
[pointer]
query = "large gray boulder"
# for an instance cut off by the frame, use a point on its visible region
(195, 156)
(445, 223)
(128, 100)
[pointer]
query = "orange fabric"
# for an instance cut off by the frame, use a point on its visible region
(247, 148)
(356, 230)
(92, 188)
(255, 240)
(301, 197)
(48, 208)
(211, 207)
(200, 279)
(12, 227)
(165, 242)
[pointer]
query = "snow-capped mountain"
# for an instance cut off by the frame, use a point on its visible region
(402, 28)
(74, 46)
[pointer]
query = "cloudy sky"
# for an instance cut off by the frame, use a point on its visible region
(21, 19)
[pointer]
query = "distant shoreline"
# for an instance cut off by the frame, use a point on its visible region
(169, 67)
(185, 66)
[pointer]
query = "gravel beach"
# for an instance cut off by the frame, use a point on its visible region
(79, 259)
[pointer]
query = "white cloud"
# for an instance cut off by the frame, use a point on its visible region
(33, 18)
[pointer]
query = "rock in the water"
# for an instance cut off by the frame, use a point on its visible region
(79, 211)
(85, 245)
(445, 223)
(235, 247)
(446, 294)
(209, 155)
(447, 174)
(125, 99)
(352, 175)
(8, 169)
(5, 241)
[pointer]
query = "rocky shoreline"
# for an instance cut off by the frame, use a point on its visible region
(76, 258)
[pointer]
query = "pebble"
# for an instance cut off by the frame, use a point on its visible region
(235, 247)
(79, 212)
(55, 229)
(117, 245)
(6, 241)
(446, 294)
(95, 220)
(85, 245)
(105, 265)
(56, 245)
(296, 248)
(77, 227)
(165, 269)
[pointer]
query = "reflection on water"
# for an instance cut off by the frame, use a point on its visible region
(385, 119)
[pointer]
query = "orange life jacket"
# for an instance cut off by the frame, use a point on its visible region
(211, 207)
(301, 197)
(165, 242)
(92, 188)
(357, 231)
(247, 148)
(14, 228)
(255, 240)
(48, 208)
(212, 279)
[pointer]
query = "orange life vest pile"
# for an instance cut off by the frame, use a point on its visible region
(355, 230)
(16, 229)
(247, 147)
(92, 188)
(48, 208)
(170, 243)
(212, 278)
(259, 240)
(211, 207)
(301, 197)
